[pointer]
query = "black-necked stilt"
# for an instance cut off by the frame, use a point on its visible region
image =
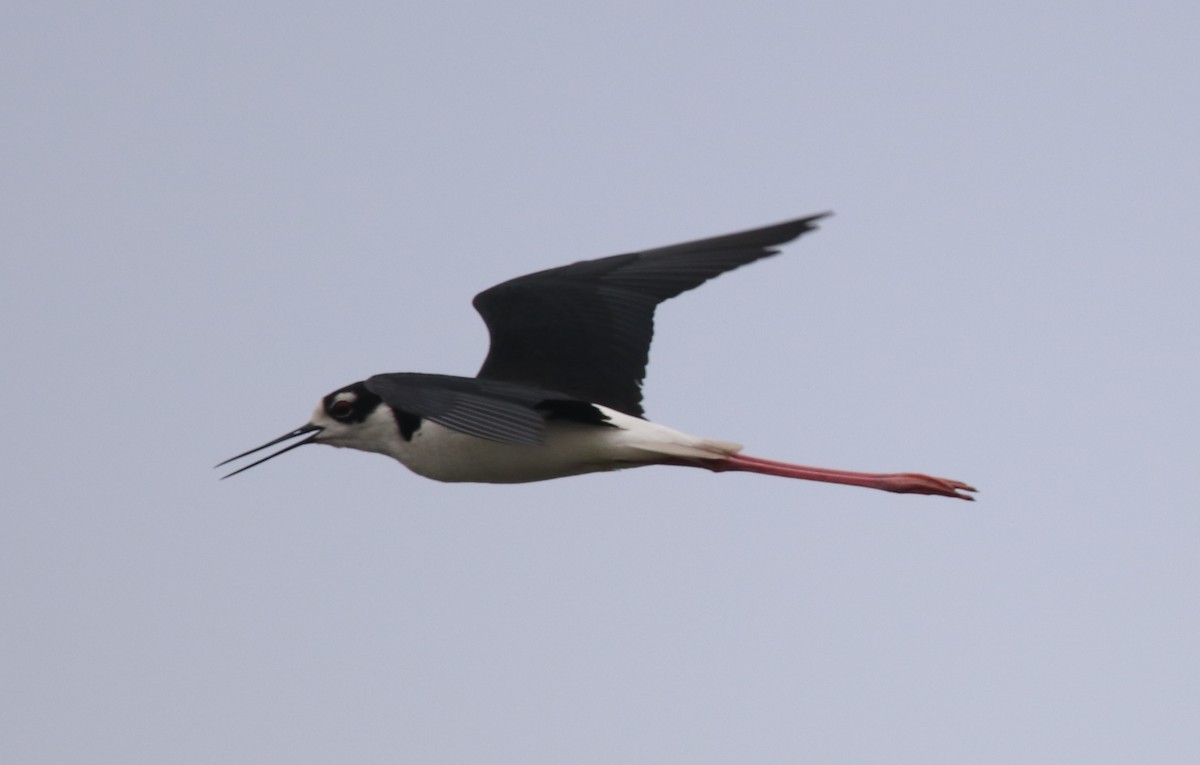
(559, 393)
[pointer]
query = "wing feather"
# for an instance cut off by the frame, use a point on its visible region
(585, 329)
(500, 411)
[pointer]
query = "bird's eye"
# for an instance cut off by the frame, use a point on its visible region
(341, 409)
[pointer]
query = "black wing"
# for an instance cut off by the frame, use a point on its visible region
(510, 413)
(585, 329)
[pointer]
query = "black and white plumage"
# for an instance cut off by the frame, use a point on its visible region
(559, 393)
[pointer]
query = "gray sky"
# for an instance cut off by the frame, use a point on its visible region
(213, 216)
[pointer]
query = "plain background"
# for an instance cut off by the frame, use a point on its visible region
(214, 214)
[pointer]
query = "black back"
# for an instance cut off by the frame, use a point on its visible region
(510, 413)
(585, 329)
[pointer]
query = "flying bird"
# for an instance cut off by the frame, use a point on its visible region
(559, 393)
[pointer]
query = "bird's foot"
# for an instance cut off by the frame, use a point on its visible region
(918, 483)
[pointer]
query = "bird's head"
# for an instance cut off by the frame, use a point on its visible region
(351, 417)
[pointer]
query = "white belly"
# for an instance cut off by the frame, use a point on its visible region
(570, 449)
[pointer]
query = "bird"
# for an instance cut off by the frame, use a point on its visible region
(560, 391)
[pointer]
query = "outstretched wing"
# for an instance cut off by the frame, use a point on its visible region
(585, 329)
(510, 413)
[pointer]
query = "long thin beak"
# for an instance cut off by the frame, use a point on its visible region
(314, 429)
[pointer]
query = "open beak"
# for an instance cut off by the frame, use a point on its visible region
(314, 429)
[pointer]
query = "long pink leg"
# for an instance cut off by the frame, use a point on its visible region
(903, 483)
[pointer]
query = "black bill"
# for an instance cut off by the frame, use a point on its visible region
(314, 429)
